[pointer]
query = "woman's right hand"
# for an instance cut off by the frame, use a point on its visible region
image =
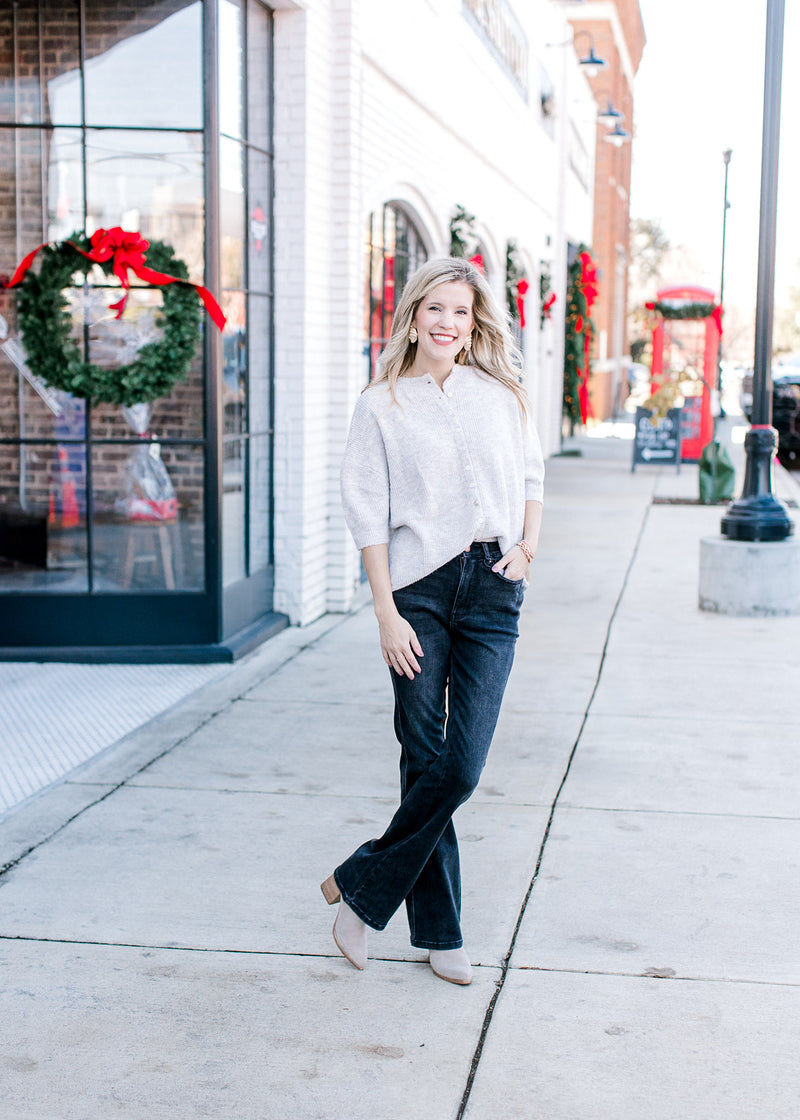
(399, 645)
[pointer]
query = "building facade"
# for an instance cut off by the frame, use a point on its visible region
(301, 158)
(616, 31)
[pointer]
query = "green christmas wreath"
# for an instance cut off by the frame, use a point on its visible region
(45, 325)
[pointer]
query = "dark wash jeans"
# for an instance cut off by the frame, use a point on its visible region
(465, 617)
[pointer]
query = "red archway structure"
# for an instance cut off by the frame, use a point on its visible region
(686, 333)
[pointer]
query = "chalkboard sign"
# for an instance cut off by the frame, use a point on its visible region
(657, 443)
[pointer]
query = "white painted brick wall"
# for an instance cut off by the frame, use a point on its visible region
(377, 101)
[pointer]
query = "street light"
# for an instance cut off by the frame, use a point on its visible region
(617, 137)
(758, 515)
(590, 63)
(726, 158)
(610, 116)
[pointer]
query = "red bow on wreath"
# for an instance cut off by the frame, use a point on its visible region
(128, 252)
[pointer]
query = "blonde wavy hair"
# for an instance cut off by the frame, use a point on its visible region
(493, 349)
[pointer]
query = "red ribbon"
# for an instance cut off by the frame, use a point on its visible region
(477, 260)
(547, 306)
(522, 291)
(589, 283)
(127, 250)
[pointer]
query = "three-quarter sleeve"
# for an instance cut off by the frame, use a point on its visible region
(365, 480)
(534, 463)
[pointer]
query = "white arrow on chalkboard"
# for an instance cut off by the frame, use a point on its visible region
(665, 454)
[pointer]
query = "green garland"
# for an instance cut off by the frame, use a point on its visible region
(462, 233)
(574, 339)
(514, 273)
(45, 324)
(686, 311)
(545, 288)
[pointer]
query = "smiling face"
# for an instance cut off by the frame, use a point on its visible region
(443, 321)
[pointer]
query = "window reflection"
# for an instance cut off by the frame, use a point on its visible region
(148, 517)
(144, 71)
(151, 182)
(233, 511)
(259, 361)
(260, 470)
(43, 517)
(40, 88)
(231, 68)
(42, 195)
(232, 202)
(130, 163)
(259, 174)
(259, 75)
(234, 363)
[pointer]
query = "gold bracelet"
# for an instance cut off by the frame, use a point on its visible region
(526, 550)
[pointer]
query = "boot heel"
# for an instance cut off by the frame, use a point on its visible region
(331, 891)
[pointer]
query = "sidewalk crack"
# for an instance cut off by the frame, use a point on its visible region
(504, 967)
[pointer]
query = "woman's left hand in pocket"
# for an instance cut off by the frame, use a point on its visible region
(513, 564)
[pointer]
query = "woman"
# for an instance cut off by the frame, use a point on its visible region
(442, 489)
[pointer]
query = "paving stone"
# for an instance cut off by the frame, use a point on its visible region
(241, 871)
(675, 765)
(626, 1048)
(233, 1036)
(703, 896)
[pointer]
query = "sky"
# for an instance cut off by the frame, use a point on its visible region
(698, 91)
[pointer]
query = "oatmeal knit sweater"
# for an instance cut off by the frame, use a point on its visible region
(438, 470)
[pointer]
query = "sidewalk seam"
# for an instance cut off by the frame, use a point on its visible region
(505, 963)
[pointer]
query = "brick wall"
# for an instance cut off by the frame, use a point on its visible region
(618, 34)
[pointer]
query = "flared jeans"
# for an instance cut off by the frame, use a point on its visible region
(465, 617)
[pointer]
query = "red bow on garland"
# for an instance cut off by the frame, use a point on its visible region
(547, 306)
(477, 260)
(128, 252)
(522, 291)
(589, 283)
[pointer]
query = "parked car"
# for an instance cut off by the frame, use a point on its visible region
(785, 406)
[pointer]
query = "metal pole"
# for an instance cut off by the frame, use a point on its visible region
(726, 157)
(758, 515)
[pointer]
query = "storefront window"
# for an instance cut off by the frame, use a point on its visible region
(102, 125)
(85, 178)
(394, 250)
(245, 194)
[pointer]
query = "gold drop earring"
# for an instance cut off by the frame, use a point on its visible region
(468, 343)
(412, 335)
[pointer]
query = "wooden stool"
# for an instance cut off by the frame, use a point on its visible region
(141, 550)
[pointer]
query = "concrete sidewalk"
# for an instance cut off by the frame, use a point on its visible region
(631, 869)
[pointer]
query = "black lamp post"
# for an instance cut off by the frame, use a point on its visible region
(758, 515)
(726, 158)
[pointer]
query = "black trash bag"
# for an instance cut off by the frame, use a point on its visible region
(717, 475)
